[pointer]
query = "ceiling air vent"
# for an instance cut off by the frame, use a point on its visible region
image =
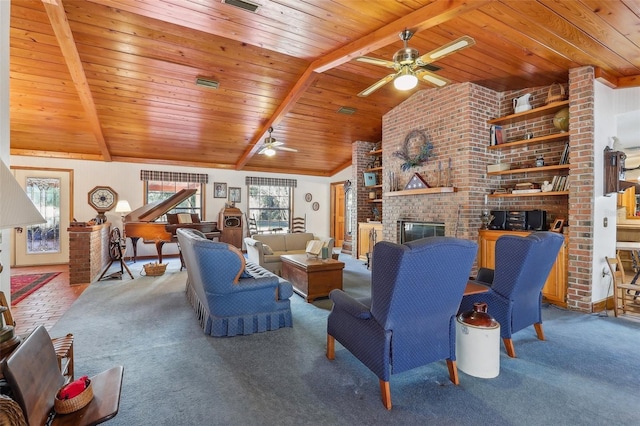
(242, 4)
(205, 82)
(346, 110)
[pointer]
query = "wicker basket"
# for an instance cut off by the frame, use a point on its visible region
(66, 406)
(155, 269)
(553, 96)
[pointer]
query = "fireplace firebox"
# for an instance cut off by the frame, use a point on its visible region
(414, 230)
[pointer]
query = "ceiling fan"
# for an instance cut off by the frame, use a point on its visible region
(271, 145)
(409, 67)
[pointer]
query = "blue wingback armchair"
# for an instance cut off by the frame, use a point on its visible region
(232, 296)
(515, 295)
(409, 320)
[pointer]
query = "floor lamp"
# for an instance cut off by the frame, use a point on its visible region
(16, 211)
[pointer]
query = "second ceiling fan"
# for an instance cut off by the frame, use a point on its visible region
(408, 65)
(271, 145)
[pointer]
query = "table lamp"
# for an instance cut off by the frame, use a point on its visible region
(123, 208)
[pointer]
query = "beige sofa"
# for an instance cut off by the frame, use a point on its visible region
(266, 249)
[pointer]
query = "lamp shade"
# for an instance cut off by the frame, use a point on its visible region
(123, 207)
(16, 209)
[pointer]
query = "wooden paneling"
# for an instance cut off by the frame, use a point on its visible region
(131, 95)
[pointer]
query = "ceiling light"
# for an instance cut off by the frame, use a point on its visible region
(269, 152)
(406, 80)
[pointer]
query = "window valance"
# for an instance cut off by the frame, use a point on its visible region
(266, 181)
(173, 176)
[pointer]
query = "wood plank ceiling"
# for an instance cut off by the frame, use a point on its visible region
(114, 80)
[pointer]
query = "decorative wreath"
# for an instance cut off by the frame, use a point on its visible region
(422, 157)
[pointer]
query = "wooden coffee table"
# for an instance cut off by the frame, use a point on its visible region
(312, 277)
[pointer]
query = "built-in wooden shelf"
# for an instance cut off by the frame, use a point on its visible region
(373, 169)
(373, 186)
(532, 113)
(375, 152)
(547, 138)
(377, 200)
(532, 169)
(440, 190)
(532, 194)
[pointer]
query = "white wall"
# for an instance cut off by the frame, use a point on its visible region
(608, 104)
(604, 206)
(124, 178)
(5, 276)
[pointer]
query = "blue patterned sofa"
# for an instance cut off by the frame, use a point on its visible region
(232, 296)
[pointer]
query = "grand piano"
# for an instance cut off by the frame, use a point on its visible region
(140, 223)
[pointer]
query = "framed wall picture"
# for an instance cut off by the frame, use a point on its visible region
(219, 190)
(235, 195)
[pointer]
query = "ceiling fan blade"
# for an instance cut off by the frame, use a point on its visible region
(263, 149)
(376, 61)
(431, 78)
(276, 143)
(375, 86)
(446, 50)
(284, 148)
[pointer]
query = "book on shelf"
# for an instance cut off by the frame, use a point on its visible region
(564, 158)
(496, 136)
(526, 191)
(499, 136)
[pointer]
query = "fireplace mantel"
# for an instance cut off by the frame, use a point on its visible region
(440, 190)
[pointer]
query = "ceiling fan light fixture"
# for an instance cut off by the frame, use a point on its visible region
(269, 152)
(406, 80)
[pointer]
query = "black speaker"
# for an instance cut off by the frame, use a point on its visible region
(499, 219)
(537, 220)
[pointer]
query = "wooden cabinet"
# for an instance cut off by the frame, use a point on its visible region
(554, 290)
(230, 224)
(369, 233)
(556, 168)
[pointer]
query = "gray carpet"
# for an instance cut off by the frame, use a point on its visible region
(586, 373)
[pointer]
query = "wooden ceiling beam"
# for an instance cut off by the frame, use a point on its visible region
(307, 78)
(426, 17)
(60, 24)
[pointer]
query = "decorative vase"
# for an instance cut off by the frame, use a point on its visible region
(561, 120)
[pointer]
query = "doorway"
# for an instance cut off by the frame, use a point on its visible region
(337, 213)
(50, 192)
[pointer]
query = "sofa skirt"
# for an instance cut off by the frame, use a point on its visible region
(241, 324)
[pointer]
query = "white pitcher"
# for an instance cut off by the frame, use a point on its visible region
(522, 104)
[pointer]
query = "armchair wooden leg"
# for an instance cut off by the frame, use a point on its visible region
(453, 371)
(331, 347)
(539, 331)
(508, 345)
(385, 392)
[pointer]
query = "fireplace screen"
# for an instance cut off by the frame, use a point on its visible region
(414, 230)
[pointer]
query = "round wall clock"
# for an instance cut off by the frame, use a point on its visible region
(308, 197)
(315, 206)
(102, 199)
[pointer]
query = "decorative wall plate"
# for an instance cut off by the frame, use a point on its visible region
(315, 206)
(308, 197)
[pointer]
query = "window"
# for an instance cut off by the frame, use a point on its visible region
(270, 203)
(162, 185)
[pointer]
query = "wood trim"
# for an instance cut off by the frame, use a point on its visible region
(58, 18)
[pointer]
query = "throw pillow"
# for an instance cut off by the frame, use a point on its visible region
(266, 249)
